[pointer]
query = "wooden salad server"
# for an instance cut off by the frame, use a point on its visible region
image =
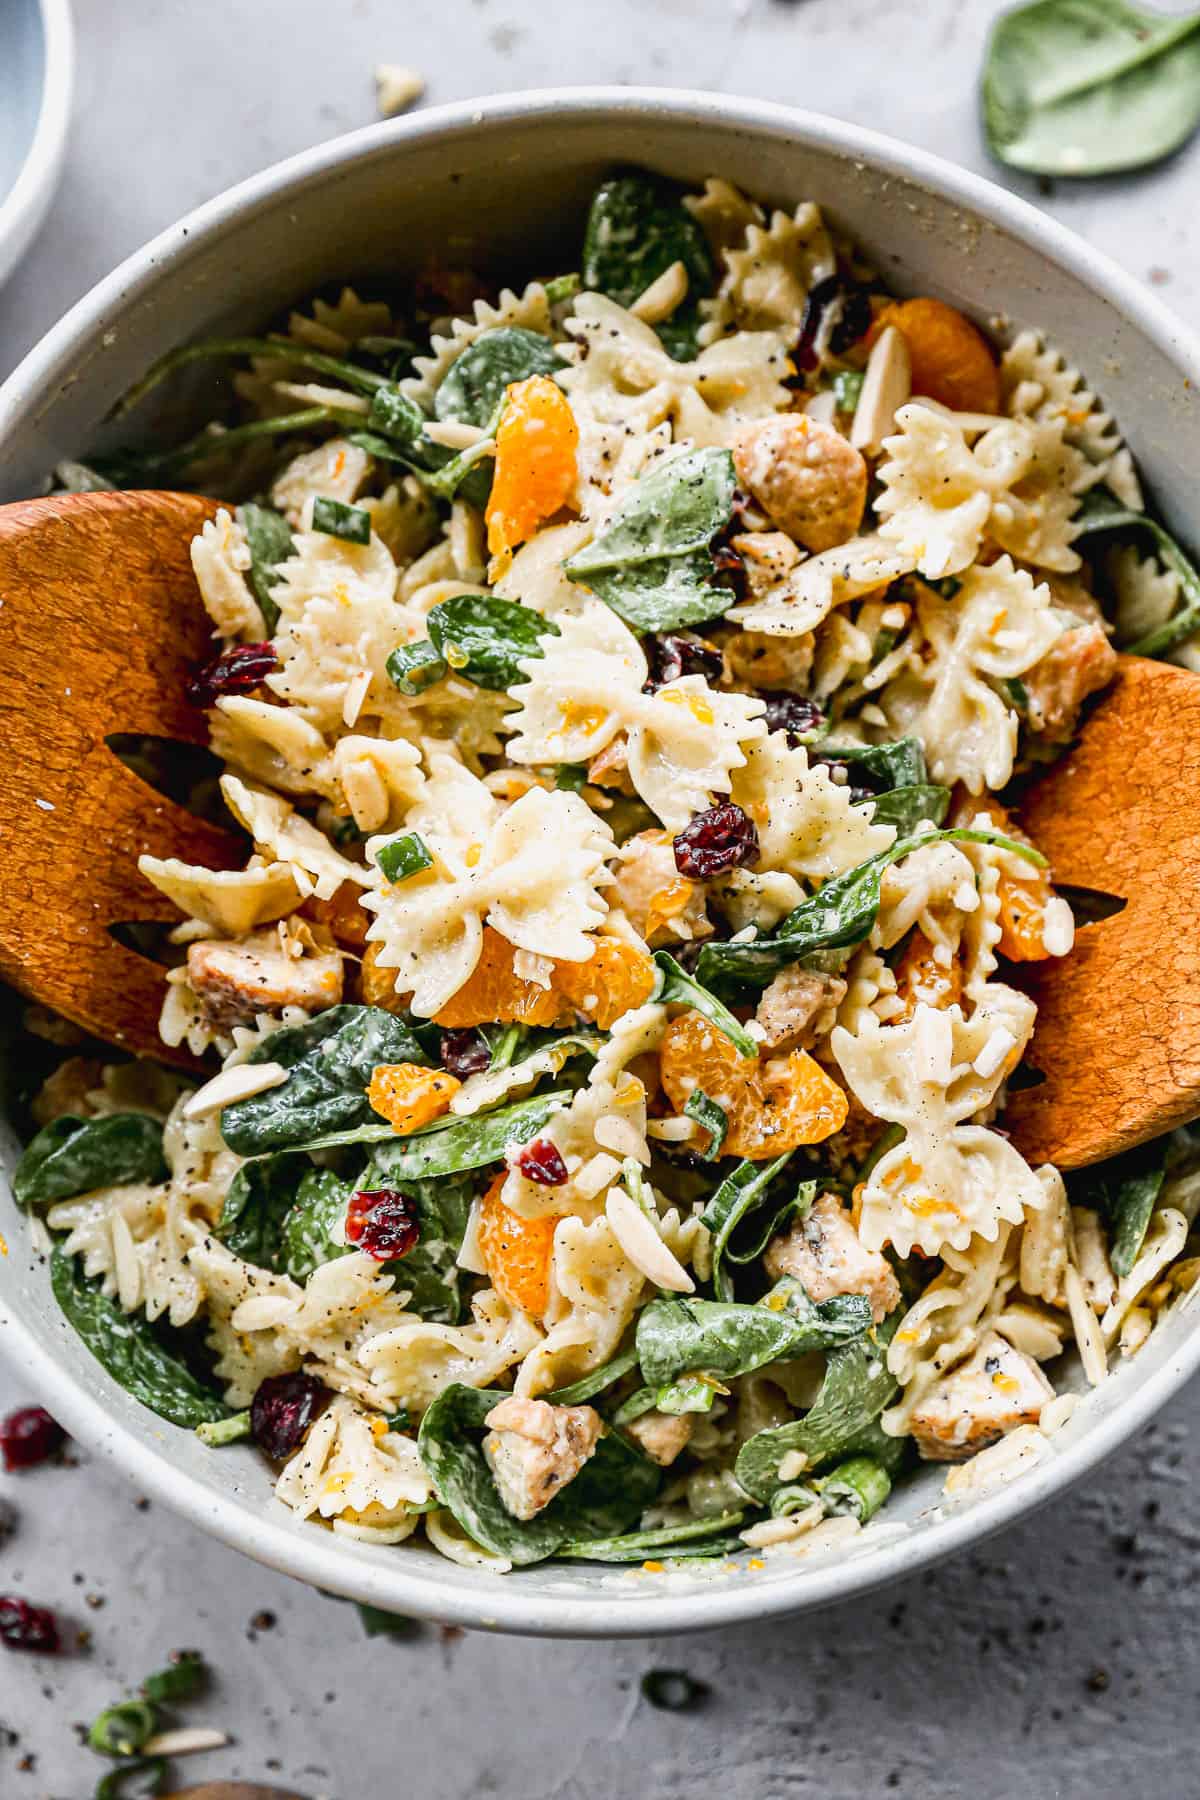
(233, 1790)
(100, 630)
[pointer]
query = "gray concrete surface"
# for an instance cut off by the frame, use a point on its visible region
(1061, 1660)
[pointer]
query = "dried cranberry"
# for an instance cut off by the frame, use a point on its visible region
(676, 653)
(801, 719)
(731, 569)
(26, 1627)
(236, 671)
(541, 1161)
(29, 1436)
(383, 1222)
(722, 838)
(837, 313)
(464, 1053)
(282, 1411)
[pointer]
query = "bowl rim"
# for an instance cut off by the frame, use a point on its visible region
(504, 1604)
(24, 207)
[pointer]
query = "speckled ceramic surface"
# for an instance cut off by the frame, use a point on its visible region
(36, 78)
(930, 227)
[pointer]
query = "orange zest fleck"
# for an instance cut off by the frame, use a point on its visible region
(535, 462)
(406, 1095)
(952, 361)
(516, 1251)
(771, 1107)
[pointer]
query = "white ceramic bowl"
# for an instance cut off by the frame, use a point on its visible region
(37, 56)
(505, 183)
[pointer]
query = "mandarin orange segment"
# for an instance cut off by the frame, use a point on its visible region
(952, 361)
(922, 978)
(771, 1107)
(342, 914)
(534, 471)
(1023, 898)
(616, 977)
(379, 985)
(516, 1251)
(495, 994)
(406, 1095)
(667, 904)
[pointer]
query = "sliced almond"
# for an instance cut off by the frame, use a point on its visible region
(886, 386)
(185, 1742)
(665, 293)
(238, 1083)
(643, 1246)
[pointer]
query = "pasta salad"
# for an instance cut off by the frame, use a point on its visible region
(621, 683)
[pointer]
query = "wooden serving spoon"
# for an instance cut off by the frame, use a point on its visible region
(100, 629)
(233, 1790)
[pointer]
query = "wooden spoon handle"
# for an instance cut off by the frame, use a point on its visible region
(233, 1790)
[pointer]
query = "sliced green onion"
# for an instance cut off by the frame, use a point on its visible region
(570, 777)
(404, 856)
(414, 667)
(858, 1487)
(224, 1431)
(562, 287)
(336, 519)
(121, 1730)
(847, 388)
(134, 1780)
(400, 1421)
(183, 1678)
(712, 1117)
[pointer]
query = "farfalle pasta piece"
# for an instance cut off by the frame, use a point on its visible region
(530, 310)
(809, 593)
(351, 1469)
(768, 274)
(410, 1364)
(808, 826)
(534, 873)
(221, 560)
(596, 1290)
(283, 835)
(627, 378)
(946, 1181)
(232, 901)
(997, 626)
(682, 742)
(1039, 383)
(947, 1319)
(372, 778)
(335, 470)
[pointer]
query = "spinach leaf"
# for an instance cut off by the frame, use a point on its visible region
(306, 1238)
(269, 537)
(611, 1489)
(430, 1270)
(397, 417)
(700, 1537)
(126, 1347)
(450, 1145)
(720, 1337)
(1125, 1190)
(589, 1385)
(908, 807)
(482, 638)
(1102, 512)
(637, 227)
(330, 1060)
(840, 914)
(257, 1203)
(72, 1156)
(742, 1191)
(858, 1385)
(476, 382)
(898, 764)
(335, 519)
(285, 349)
(651, 563)
(675, 987)
(1090, 87)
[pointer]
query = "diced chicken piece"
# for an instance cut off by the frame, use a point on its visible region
(806, 476)
(610, 769)
(792, 1002)
(66, 1090)
(661, 1435)
(234, 980)
(767, 558)
(990, 1394)
(534, 1449)
(823, 1252)
(755, 660)
(1077, 664)
(661, 904)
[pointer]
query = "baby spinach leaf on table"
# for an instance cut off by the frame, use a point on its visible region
(907, 807)
(449, 1146)
(1090, 87)
(858, 1385)
(306, 1239)
(699, 1537)
(476, 382)
(125, 1346)
(269, 538)
(72, 1156)
(840, 914)
(590, 1385)
(721, 1337)
(330, 1061)
(256, 1205)
(1101, 512)
(637, 227)
(742, 1190)
(898, 764)
(610, 1491)
(675, 987)
(651, 563)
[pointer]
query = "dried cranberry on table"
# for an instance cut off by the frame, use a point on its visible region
(27, 1627)
(238, 670)
(837, 313)
(671, 654)
(722, 838)
(383, 1222)
(801, 719)
(282, 1411)
(541, 1161)
(464, 1052)
(29, 1436)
